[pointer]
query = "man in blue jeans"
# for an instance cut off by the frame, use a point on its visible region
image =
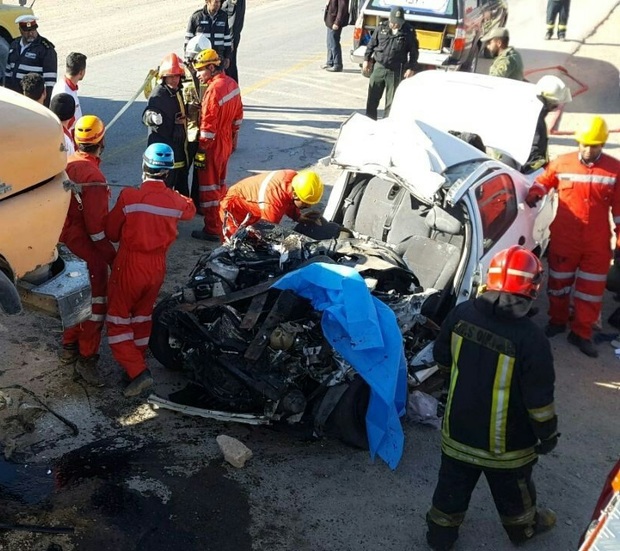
(336, 16)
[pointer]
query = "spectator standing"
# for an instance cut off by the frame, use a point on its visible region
(270, 196)
(557, 9)
(166, 119)
(33, 87)
(63, 106)
(500, 412)
(212, 21)
(193, 93)
(84, 235)
(220, 120)
(235, 10)
(588, 185)
(144, 222)
(391, 54)
(336, 17)
(507, 62)
(31, 54)
(75, 70)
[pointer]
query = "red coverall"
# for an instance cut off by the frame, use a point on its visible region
(84, 235)
(145, 222)
(221, 116)
(266, 196)
(580, 246)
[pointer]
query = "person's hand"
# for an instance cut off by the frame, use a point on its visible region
(535, 194)
(366, 68)
(180, 119)
(200, 159)
(226, 63)
(546, 446)
(409, 73)
(335, 27)
(153, 119)
(310, 217)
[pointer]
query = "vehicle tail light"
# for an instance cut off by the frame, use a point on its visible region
(458, 45)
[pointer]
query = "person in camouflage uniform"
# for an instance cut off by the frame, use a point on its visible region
(508, 62)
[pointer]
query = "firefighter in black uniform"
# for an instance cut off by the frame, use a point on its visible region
(235, 9)
(31, 54)
(500, 413)
(212, 21)
(166, 117)
(394, 50)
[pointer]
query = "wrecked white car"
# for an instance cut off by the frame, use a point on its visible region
(417, 212)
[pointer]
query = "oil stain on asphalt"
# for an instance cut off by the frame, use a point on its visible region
(124, 497)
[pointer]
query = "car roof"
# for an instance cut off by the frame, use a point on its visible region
(503, 112)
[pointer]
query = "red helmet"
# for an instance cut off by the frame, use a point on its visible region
(515, 270)
(171, 66)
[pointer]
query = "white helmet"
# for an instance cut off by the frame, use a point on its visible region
(196, 44)
(553, 89)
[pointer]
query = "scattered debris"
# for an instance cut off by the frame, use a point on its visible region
(422, 408)
(235, 452)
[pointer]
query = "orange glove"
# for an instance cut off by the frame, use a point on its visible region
(535, 194)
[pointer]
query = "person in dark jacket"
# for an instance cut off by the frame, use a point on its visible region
(235, 10)
(31, 54)
(500, 412)
(212, 21)
(553, 93)
(166, 117)
(394, 50)
(336, 17)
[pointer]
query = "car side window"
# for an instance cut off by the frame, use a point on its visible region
(497, 204)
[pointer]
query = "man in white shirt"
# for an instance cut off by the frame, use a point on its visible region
(74, 72)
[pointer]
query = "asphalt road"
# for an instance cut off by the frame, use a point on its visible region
(138, 479)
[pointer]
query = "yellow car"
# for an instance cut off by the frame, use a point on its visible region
(9, 29)
(34, 199)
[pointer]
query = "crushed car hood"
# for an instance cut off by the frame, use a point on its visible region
(413, 155)
(502, 111)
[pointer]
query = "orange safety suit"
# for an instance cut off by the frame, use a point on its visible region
(84, 235)
(144, 222)
(221, 116)
(580, 246)
(266, 196)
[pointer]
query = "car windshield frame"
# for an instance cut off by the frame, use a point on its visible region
(433, 8)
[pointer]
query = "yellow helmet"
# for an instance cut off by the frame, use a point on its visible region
(308, 187)
(89, 129)
(592, 132)
(206, 57)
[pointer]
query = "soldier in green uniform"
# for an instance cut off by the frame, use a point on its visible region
(508, 62)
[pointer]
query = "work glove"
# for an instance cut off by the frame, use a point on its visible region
(545, 446)
(535, 194)
(311, 217)
(152, 118)
(200, 159)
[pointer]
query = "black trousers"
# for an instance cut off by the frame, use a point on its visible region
(560, 9)
(233, 71)
(513, 492)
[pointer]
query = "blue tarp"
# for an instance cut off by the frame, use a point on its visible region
(365, 332)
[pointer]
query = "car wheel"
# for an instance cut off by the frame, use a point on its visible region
(347, 421)
(159, 341)
(4, 55)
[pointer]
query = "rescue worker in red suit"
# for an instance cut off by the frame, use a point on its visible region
(269, 196)
(221, 116)
(84, 235)
(588, 185)
(144, 223)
